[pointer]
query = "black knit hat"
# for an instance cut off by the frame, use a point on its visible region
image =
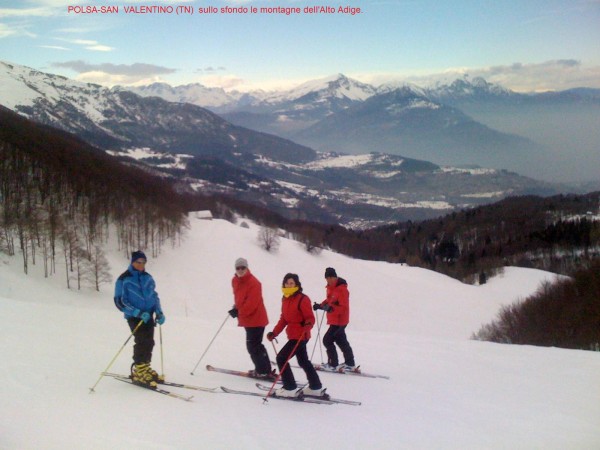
(138, 255)
(330, 272)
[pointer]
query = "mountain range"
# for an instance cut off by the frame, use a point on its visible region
(406, 122)
(549, 135)
(116, 119)
(207, 153)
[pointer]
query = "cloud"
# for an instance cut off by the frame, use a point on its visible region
(111, 74)
(136, 69)
(56, 3)
(99, 48)
(88, 44)
(550, 75)
(55, 47)
(557, 74)
(6, 31)
(222, 81)
(27, 12)
(107, 79)
(14, 30)
(210, 69)
(74, 30)
(157, 1)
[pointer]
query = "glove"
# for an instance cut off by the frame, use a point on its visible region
(327, 308)
(316, 306)
(233, 312)
(270, 336)
(160, 318)
(145, 316)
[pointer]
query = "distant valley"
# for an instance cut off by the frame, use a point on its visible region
(206, 153)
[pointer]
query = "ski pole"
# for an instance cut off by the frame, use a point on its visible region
(213, 339)
(318, 339)
(318, 335)
(162, 366)
(283, 367)
(118, 353)
(274, 348)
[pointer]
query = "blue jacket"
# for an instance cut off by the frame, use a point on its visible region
(135, 293)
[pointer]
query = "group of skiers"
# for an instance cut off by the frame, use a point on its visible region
(135, 295)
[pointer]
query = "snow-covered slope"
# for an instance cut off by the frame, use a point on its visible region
(121, 120)
(445, 391)
(21, 88)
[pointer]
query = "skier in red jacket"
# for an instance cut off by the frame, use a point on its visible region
(337, 306)
(249, 309)
(298, 319)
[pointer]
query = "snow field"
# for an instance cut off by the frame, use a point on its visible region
(445, 391)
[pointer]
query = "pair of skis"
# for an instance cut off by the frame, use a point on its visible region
(300, 398)
(326, 399)
(160, 390)
(241, 373)
(307, 398)
(356, 372)
(248, 374)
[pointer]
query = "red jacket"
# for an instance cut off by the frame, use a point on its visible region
(247, 294)
(338, 297)
(297, 315)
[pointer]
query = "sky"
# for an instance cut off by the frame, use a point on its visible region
(445, 390)
(535, 45)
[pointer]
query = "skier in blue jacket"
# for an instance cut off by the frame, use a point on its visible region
(136, 297)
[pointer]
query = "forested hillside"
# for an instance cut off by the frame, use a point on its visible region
(562, 314)
(59, 196)
(559, 234)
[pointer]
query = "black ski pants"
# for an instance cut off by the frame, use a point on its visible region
(289, 382)
(144, 340)
(256, 349)
(336, 334)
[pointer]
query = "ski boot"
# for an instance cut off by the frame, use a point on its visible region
(155, 376)
(315, 392)
(289, 393)
(140, 375)
(348, 368)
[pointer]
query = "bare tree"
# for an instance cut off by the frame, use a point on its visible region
(82, 264)
(99, 269)
(312, 240)
(268, 238)
(64, 243)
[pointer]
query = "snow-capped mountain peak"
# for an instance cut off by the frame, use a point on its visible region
(335, 86)
(23, 88)
(462, 87)
(21, 85)
(194, 93)
(402, 86)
